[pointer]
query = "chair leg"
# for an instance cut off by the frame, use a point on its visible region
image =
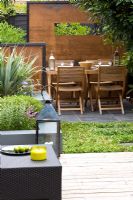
(81, 104)
(91, 100)
(121, 103)
(95, 106)
(74, 95)
(86, 95)
(58, 102)
(99, 105)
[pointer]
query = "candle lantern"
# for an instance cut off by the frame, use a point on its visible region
(51, 62)
(48, 124)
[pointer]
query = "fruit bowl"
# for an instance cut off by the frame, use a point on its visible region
(87, 63)
(16, 150)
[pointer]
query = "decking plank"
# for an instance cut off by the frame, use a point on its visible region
(97, 176)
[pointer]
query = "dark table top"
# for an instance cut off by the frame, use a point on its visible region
(24, 161)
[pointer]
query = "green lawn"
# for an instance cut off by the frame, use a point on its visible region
(83, 137)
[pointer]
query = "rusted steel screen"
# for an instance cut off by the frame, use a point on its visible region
(42, 19)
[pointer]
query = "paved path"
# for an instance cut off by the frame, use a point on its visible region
(97, 176)
(107, 116)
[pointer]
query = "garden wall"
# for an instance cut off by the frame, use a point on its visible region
(42, 19)
(30, 51)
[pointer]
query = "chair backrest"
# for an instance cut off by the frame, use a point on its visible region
(70, 74)
(111, 73)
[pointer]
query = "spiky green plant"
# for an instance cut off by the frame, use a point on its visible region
(14, 70)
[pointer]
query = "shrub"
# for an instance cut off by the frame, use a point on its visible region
(18, 112)
(10, 34)
(20, 7)
(128, 61)
(6, 10)
(14, 70)
(71, 29)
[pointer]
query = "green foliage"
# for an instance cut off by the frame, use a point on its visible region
(116, 18)
(71, 29)
(18, 112)
(6, 10)
(83, 137)
(14, 70)
(10, 34)
(6, 3)
(128, 61)
(20, 7)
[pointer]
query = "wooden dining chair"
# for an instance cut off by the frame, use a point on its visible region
(69, 80)
(117, 78)
(92, 81)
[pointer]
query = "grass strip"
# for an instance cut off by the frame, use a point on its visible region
(85, 137)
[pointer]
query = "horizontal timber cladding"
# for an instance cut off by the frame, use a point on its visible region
(42, 19)
(19, 21)
(30, 51)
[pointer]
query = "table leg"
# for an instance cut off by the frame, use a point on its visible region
(89, 92)
(49, 84)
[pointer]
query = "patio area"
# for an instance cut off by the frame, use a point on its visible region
(97, 176)
(107, 116)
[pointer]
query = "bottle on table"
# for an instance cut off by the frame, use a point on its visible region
(116, 58)
(51, 61)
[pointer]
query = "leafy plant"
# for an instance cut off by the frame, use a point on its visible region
(83, 137)
(116, 18)
(71, 29)
(10, 34)
(6, 10)
(18, 112)
(6, 3)
(20, 7)
(14, 70)
(128, 61)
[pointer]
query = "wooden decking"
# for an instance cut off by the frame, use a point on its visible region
(97, 176)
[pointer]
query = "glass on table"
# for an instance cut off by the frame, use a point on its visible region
(62, 64)
(110, 62)
(99, 62)
(71, 64)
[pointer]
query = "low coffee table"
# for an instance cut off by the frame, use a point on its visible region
(24, 179)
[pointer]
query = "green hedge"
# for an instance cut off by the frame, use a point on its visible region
(18, 112)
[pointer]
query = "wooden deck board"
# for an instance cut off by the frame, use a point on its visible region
(97, 176)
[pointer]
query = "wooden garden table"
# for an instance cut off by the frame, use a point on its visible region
(51, 73)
